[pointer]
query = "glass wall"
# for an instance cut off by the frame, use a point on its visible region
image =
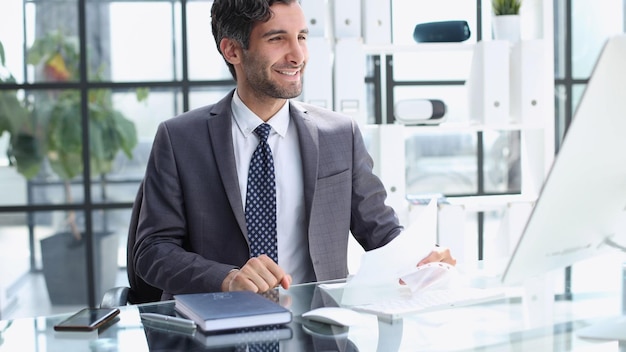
(84, 87)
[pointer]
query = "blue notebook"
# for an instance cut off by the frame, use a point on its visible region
(258, 335)
(230, 310)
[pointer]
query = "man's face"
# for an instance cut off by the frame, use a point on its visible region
(274, 62)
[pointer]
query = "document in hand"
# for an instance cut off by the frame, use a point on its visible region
(230, 310)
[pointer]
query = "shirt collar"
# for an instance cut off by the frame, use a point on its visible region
(247, 121)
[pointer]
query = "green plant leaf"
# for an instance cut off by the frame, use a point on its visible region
(506, 7)
(13, 113)
(2, 57)
(142, 94)
(25, 152)
(65, 139)
(128, 134)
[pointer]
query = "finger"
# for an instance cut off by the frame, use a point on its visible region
(428, 259)
(446, 256)
(241, 282)
(276, 275)
(259, 275)
(438, 254)
(286, 281)
(264, 273)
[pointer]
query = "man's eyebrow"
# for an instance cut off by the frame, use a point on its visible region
(282, 31)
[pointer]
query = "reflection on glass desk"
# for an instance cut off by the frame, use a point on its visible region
(503, 325)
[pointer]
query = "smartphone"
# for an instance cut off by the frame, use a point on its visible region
(87, 319)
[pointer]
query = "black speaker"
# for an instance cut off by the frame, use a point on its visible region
(441, 32)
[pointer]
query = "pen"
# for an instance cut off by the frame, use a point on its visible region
(169, 320)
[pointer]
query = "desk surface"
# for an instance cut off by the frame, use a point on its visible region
(505, 325)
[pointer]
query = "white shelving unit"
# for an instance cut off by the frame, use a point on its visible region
(537, 134)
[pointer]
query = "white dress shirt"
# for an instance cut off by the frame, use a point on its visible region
(293, 248)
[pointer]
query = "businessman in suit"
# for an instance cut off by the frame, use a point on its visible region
(192, 234)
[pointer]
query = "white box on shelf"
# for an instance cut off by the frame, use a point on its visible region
(347, 18)
(488, 84)
(527, 81)
(377, 22)
(318, 78)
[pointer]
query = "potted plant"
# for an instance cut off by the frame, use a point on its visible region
(506, 21)
(49, 139)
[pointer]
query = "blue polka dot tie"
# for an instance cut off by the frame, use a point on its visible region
(261, 199)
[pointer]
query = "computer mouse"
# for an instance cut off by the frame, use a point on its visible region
(334, 315)
(324, 330)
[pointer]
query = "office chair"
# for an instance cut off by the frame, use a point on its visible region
(139, 291)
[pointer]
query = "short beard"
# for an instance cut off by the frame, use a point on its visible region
(263, 85)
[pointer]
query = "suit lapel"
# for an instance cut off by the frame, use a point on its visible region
(309, 150)
(220, 130)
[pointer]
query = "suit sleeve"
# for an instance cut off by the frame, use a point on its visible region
(160, 256)
(372, 223)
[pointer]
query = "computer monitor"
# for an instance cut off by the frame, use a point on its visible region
(583, 199)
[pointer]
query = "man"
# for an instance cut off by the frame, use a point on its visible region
(193, 235)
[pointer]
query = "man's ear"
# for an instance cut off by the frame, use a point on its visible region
(231, 50)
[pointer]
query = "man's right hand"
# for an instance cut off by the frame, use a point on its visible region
(259, 274)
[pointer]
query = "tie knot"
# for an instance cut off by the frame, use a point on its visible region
(263, 131)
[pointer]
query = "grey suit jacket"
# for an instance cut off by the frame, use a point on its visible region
(192, 231)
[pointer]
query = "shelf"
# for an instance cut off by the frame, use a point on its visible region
(421, 47)
(476, 127)
(469, 127)
(490, 202)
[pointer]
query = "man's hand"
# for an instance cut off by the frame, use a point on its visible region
(259, 274)
(439, 254)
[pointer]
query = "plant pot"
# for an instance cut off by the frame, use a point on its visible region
(507, 27)
(64, 263)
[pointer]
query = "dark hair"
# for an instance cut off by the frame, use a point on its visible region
(234, 19)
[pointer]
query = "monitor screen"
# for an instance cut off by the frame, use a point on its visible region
(581, 205)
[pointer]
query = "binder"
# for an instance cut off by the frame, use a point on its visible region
(347, 18)
(350, 79)
(318, 81)
(527, 86)
(316, 14)
(488, 83)
(376, 22)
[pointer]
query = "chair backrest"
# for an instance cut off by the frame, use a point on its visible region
(140, 291)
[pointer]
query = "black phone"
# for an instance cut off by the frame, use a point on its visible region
(87, 319)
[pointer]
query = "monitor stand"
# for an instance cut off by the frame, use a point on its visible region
(607, 329)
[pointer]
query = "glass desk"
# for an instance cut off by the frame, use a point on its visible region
(503, 325)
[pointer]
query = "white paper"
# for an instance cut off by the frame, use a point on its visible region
(381, 268)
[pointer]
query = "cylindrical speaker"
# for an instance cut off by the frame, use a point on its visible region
(445, 31)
